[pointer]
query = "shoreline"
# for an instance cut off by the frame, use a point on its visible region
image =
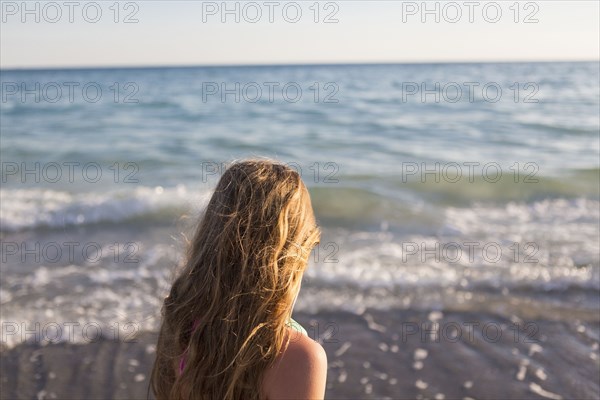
(379, 354)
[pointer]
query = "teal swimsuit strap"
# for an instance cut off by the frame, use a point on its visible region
(295, 325)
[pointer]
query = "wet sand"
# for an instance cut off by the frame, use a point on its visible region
(375, 355)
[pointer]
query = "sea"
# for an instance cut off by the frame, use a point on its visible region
(469, 187)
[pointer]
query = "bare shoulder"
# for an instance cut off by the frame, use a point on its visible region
(300, 372)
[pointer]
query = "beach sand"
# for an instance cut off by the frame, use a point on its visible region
(379, 354)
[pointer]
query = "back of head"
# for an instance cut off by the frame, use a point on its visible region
(244, 267)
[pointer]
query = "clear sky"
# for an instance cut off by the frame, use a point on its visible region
(193, 32)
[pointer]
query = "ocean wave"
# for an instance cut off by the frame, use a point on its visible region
(352, 269)
(23, 209)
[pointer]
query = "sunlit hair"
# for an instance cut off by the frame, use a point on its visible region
(242, 272)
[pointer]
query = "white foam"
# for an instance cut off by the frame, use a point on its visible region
(537, 389)
(420, 354)
(22, 209)
(370, 273)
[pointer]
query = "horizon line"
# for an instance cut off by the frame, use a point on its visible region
(308, 64)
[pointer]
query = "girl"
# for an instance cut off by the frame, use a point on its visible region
(227, 331)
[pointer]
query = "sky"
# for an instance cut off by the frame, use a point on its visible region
(156, 33)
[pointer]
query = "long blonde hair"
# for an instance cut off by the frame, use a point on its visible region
(243, 270)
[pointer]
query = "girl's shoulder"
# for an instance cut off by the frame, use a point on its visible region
(298, 372)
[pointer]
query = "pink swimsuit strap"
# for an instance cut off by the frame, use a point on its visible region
(182, 360)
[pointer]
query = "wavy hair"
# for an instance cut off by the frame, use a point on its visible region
(242, 272)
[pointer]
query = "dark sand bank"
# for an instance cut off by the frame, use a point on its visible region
(374, 355)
